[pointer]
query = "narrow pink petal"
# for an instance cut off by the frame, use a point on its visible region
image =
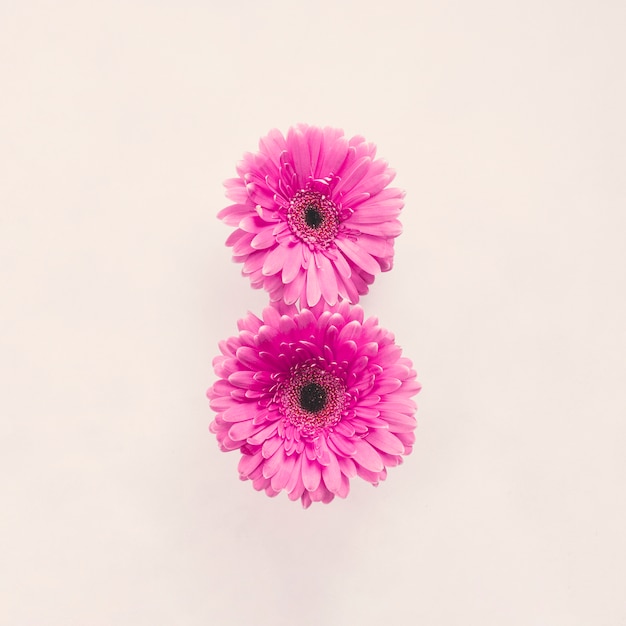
(358, 255)
(240, 431)
(281, 477)
(376, 246)
(389, 228)
(349, 331)
(335, 152)
(268, 431)
(236, 190)
(399, 423)
(344, 489)
(295, 288)
(345, 428)
(315, 137)
(271, 445)
(295, 486)
(327, 278)
(347, 465)
(342, 445)
(311, 473)
(292, 263)
(331, 474)
(243, 379)
(233, 214)
(250, 358)
(367, 457)
(270, 467)
(341, 265)
(322, 451)
(354, 175)
(264, 239)
(273, 145)
(313, 290)
(387, 385)
(385, 441)
(298, 148)
(274, 260)
(239, 412)
(248, 463)
(369, 475)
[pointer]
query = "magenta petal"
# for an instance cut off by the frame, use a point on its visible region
(282, 476)
(259, 437)
(385, 441)
(248, 463)
(358, 255)
(313, 289)
(292, 263)
(271, 466)
(240, 431)
(331, 474)
(342, 445)
(295, 484)
(263, 239)
(311, 474)
(367, 456)
(327, 278)
(275, 260)
(270, 446)
(239, 412)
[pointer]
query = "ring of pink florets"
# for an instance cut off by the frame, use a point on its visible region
(308, 422)
(313, 217)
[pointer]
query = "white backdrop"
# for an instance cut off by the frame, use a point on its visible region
(505, 122)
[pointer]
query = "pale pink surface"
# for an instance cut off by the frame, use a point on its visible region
(314, 216)
(313, 399)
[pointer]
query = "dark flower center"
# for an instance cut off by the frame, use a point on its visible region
(313, 217)
(313, 397)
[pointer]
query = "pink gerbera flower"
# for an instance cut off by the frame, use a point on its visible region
(314, 216)
(313, 399)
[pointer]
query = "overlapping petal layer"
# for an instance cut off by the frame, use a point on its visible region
(315, 218)
(313, 399)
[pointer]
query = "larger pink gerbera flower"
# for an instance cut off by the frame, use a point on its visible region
(314, 216)
(312, 400)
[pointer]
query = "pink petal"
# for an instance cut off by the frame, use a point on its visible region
(311, 474)
(354, 175)
(295, 485)
(268, 431)
(271, 445)
(263, 239)
(270, 467)
(275, 260)
(367, 457)
(342, 445)
(313, 290)
(292, 264)
(282, 476)
(248, 463)
(358, 255)
(327, 278)
(385, 441)
(240, 431)
(331, 474)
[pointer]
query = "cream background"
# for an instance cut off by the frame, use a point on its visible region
(505, 123)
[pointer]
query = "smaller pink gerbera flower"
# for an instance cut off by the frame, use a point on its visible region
(312, 400)
(314, 216)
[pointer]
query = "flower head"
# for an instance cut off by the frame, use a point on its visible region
(313, 399)
(314, 214)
